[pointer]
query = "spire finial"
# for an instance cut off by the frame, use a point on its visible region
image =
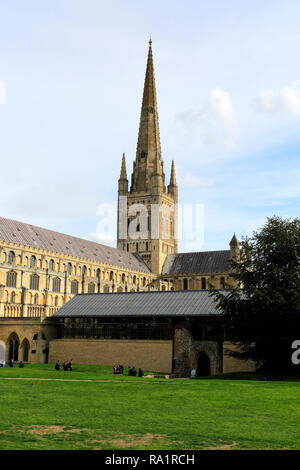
(150, 41)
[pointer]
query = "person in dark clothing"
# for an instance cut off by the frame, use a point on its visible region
(57, 366)
(140, 373)
(71, 365)
(134, 372)
(11, 363)
(129, 370)
(21, 365)
(65, 365)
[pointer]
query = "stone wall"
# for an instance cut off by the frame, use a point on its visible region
(235, 365)
(150, 355)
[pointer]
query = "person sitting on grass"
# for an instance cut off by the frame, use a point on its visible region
(57, 365)
(21, 365)
(140, 373)
(11, 363)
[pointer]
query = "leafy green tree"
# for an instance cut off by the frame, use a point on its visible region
(262, 313)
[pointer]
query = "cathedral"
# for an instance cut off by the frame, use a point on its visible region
(65, 296)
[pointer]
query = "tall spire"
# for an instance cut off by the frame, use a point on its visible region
(148, 139)
(148, 145)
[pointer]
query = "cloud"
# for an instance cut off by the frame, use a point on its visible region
(103, 238)
(285, 100)
(216, 121)
(221, 107)
(192, 181)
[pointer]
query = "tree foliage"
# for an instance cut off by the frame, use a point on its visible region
(262, 313)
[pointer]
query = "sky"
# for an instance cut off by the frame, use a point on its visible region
(228, 90)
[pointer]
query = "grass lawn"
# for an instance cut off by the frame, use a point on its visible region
(101, 411)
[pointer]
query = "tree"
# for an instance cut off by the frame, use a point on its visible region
(262, 311)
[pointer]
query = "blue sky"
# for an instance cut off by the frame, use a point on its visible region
(228, 85)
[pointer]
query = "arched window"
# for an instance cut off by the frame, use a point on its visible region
(91, 288)
(147, 246)
(127, 246)
(134, 279)
(137, 247)
(51, 265)
(144, 281)
(12, 298)
(222, 283)
(56, 284)
(185, 284)
(25, 349)
(35, 299)
(83, 271)
(74, 287)
(69, 268)
(123, 278)
(55, 301)
(203, 283)
(111, 276)
(11, 257)
(13, 347)
(98, 273)
(34, 282)
(11, 279)
(33, 261)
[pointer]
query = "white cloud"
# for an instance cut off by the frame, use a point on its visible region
(285, 100)
(103, 238)
(188, 180)
(215, 122)
(221, 107)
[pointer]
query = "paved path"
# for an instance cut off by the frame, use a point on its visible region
(85, 380)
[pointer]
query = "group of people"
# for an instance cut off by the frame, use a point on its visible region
(67, 365)
(118, 369)
(132, 371)
(11, 364)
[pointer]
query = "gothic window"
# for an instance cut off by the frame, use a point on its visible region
(98, 273)
(35, 299)
(74, 287)
(111, 276)
(11, 257)
(222, 283)
(123, 278)
(147, 246)
(34, 282)
(137, 247)
(33, 261)
(13, 343)
(144, 281)
(127, 246)
(83, 271)
(203, 283)
(11, 279)
(25, 348)
(69, 268)
(55, 301)
(12, 298)
(91, 288)
(134, 279)
(185, 284)
(51, 265)
(56, 284)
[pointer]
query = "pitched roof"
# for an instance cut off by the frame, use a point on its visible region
(40, 238)
(140, 304)
(197, 262)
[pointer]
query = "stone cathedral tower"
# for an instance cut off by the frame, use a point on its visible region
(147, 212)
